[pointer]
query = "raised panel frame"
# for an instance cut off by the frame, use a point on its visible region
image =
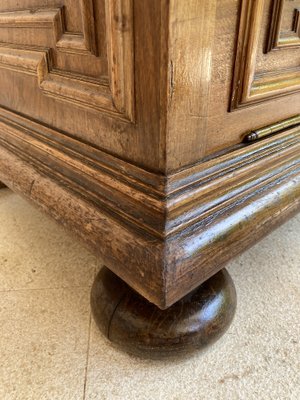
(249, 87)
(114, 96)
(278, 41)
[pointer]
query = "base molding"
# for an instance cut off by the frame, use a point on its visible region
(162, 234)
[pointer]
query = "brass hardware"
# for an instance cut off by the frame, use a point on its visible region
(270, 129)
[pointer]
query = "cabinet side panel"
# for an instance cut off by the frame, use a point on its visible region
(192, 29)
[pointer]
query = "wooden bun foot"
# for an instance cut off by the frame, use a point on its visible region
(141, 328)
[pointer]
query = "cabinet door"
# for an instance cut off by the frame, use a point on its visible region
(69, 64)
(236, 68)
(266, 74)
(267, 66)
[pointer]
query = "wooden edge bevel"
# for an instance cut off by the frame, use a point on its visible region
(133, 256)
(163, 235)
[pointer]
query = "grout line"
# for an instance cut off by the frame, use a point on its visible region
(44, 288)
(88, 345)
(87, 356)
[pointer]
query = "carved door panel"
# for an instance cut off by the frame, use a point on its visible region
(64, 47)
(262, 74)
(266, 72)
(69, 64)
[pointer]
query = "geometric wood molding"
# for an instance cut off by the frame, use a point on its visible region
(120, 48)
(250, 87)
(54, 19)
(282, 40)
(173, 231)
(114, 96)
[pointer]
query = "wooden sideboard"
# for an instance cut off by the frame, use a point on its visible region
(164, 134)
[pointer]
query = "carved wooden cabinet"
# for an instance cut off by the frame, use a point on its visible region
(126, 120)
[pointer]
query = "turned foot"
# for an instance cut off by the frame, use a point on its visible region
(141, 328)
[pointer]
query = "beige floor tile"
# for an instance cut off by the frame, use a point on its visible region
(35, 252)
(43, 344)
(259, 357)
(44, 333)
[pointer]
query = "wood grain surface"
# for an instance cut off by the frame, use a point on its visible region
(125, 120)
(140, 328)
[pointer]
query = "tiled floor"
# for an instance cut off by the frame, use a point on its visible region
(51, 349)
